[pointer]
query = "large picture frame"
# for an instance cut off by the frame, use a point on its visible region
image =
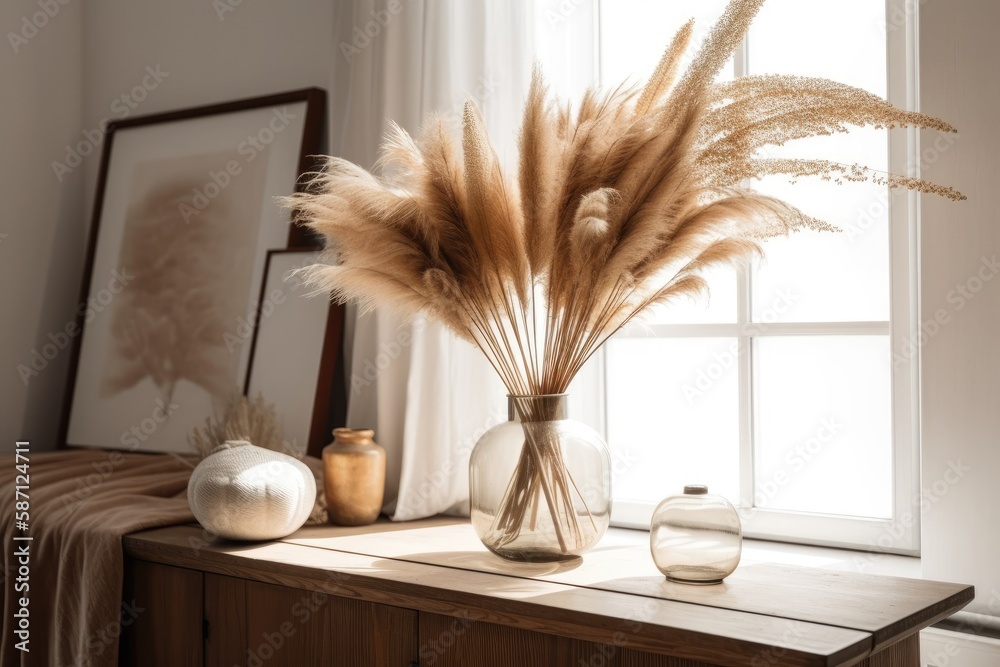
(185, 213)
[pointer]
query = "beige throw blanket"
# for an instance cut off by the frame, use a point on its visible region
(81, 503)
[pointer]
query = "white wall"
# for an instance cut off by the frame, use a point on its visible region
(959, 52)
(257, 48)
(63, 82)
(41, 255)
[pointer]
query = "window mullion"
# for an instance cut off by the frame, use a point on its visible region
(744, 342)
(745, 389)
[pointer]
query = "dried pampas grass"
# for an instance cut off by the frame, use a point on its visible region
(619, 205)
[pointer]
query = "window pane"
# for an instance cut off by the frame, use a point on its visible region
(827, 277)
(823, 432)
(635, 33)
(673, 416)
(843, 40)
(718, 306)
(835, 277)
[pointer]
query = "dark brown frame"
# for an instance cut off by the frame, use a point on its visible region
(323, 414)
(313, 142)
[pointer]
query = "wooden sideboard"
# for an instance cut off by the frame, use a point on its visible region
(427, 593)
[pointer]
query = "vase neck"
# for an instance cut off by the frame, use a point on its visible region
(538, 408)
(350, 436)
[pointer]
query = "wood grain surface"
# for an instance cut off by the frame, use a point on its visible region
(446, 641)
(608, 601)
(288, 627)
(166, 629)
(904, 652)
(887, 607)
(226, 614)
(718, 636)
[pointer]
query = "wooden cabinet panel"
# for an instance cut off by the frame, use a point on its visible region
(226, 617)
(286, 626)
(167, 630)
(904, 652)
(447, 641)
(588, 654)
(373, 634)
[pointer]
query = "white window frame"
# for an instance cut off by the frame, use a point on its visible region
(899, 534)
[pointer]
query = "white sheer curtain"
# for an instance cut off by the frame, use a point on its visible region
(427, 395)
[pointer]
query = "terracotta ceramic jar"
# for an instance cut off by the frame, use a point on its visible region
(353, 477)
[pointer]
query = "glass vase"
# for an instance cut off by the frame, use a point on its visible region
(696, 538)
(540, 484)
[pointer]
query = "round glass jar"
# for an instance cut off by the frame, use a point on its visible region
(696, 538)
(540, 484)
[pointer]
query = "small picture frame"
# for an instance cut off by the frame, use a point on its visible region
(295, 349)
(185, 213)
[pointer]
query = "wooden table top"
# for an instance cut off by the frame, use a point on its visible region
(811, 616)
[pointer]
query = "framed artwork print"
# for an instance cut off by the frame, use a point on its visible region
(184, 216)
(294, 352)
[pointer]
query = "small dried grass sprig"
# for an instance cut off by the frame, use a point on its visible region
(255, 422)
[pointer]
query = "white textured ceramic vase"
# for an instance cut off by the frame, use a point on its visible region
(244, 492)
